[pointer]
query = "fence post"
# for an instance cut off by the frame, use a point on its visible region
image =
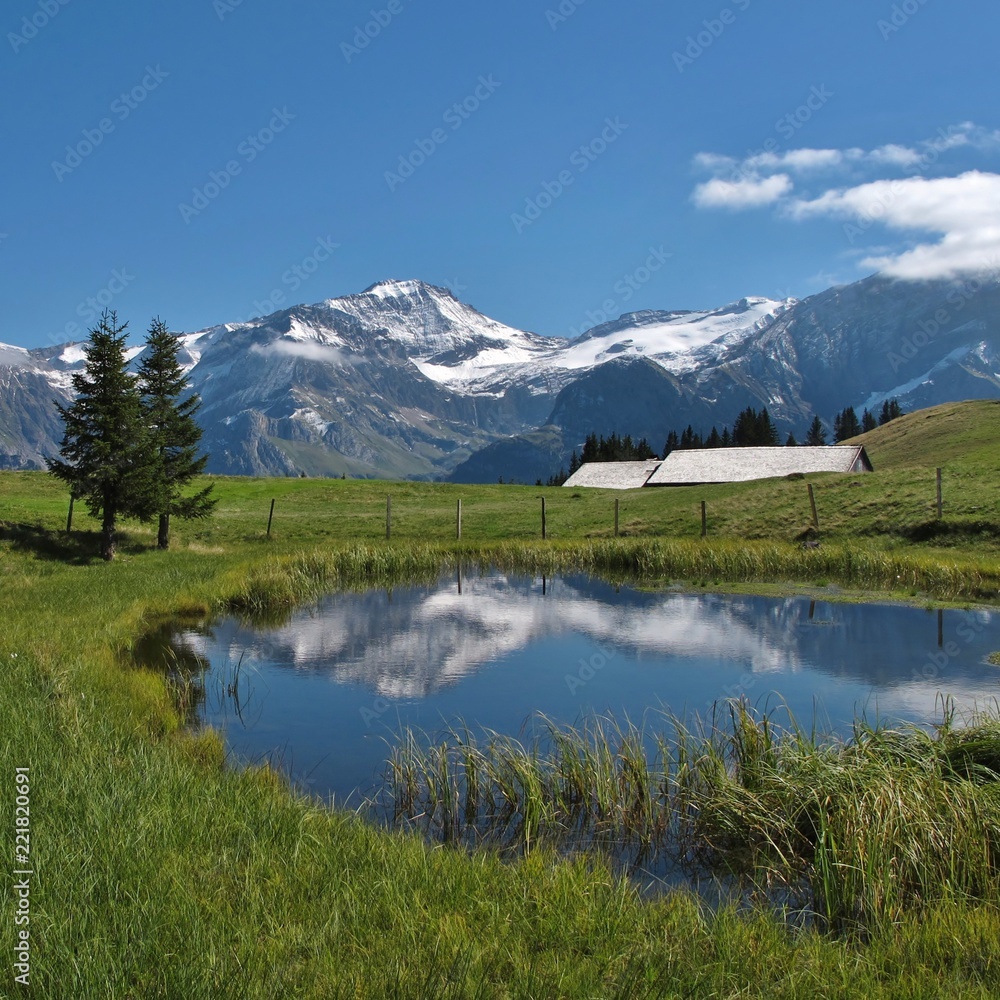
(543, 519)
(69, 516)
(616, 517)
(388, 516)
(458, 521)
(940, 503)
(704, 519)
(270, 517)
(812, 503)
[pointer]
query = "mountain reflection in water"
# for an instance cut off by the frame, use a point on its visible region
(326, 690)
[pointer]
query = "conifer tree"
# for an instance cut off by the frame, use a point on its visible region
(868, 422)
(168, 411)
(846, 425)
(790, 442)
(890, 411)
(107, 458)
(767, 432)
(816, 435)
(753, 429)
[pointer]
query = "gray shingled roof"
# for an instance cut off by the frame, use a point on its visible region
(733, 465)
(613, 475)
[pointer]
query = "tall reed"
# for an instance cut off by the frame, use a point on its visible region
(859, 830)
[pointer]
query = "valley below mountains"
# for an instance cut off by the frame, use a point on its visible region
(405, 381)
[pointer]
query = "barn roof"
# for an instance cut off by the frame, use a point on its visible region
(613, 475)
(733, 465)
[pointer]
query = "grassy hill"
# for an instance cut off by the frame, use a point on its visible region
(966, 434)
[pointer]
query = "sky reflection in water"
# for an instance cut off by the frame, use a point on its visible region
(323, 693)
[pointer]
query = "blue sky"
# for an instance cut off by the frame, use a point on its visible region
(551, 161)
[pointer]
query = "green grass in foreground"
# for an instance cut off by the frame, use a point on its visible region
(160, 872)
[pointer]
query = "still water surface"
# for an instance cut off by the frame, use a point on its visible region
(322, 694)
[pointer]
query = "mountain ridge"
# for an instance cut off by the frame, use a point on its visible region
(404, 380)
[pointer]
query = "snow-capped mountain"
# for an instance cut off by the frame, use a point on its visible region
(404, 380)
(860, 344)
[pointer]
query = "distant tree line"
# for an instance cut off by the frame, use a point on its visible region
(130, 444)
(751, 429)
(756, 429)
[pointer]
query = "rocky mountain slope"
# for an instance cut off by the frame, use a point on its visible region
(404, 380)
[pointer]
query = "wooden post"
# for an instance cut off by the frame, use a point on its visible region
(388, 516)
(940, 504)
(616, 517)
(543, 518)
(812, 503)
(704, 519)
(458, 525)
(69, 516)
(269, 519)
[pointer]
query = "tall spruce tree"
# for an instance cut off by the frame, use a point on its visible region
(846, 425)
(868, 422)
(108, 459)
(890, 411)
(753, 429)
(168, 409)
(816, 435)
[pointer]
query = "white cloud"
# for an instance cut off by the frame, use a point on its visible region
(747, 192)
(309, 350)
(964, 210)
(746, 176)
(895, 155)
(796, 159)
(714, 162)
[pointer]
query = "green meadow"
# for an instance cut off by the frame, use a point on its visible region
(159, 870)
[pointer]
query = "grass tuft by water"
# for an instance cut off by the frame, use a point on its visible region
(859, 831)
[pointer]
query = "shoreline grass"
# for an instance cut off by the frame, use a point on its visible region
(285, 581)
(862, 831)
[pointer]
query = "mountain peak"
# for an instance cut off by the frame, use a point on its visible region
(393, 288)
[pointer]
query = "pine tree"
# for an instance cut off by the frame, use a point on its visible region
(168, 410)
(673, 443)
(846, 425)
(868, 422)
(816, 435)
(753, 429)
(108, 459)
(890, 411)
(790, 441)
(745, 428)
(767, 432)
